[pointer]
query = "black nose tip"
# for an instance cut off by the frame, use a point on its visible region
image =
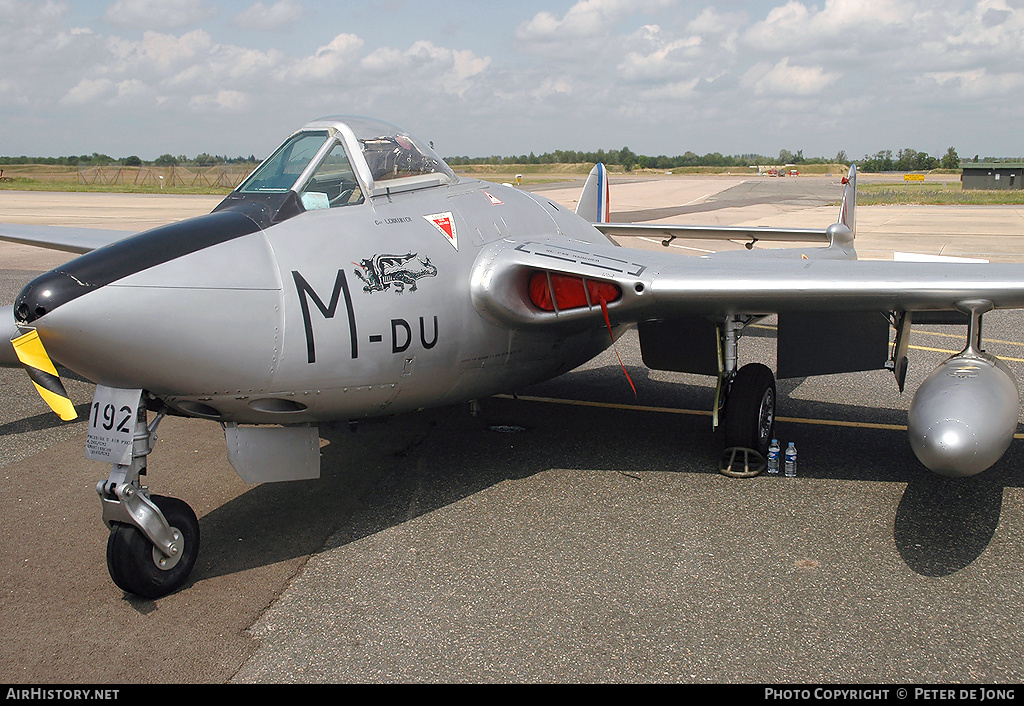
(44, 294)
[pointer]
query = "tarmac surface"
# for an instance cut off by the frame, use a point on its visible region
(576, 533)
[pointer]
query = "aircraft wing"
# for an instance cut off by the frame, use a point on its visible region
(533, 284)
(594, 206)
(66, 239)
(752, 233)
(554, 283)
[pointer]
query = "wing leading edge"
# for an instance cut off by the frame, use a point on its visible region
(65, 239)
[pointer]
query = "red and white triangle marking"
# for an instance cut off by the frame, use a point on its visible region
(445, 224)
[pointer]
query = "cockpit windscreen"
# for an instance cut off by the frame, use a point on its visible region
(279, 173)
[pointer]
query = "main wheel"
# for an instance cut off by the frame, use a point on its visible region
(135, 564)
(750, 409)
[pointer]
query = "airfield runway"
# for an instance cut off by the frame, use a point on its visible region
(577, 533)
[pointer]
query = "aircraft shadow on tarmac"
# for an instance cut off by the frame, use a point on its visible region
(392, 470)
(39, 422)
(942, 524)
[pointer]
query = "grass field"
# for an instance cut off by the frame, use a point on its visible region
(23, 184)
(939, 189)
(948, 193)
(536, 173)
(115, 179)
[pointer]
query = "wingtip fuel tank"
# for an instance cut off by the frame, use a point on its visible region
(964, 415)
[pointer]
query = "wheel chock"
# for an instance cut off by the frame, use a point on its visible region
(740, 462)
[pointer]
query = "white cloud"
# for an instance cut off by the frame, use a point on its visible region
(552, 86)
(838, 21)
(722, 28)
(281, 15)
(157, 14)
(672, 91)
(979, 84)
(165, 70)
(158, 51)
(785, 80)
(327, 61)
(682, 76)
(133, 90)
(227, 101)
(88, 91)
(227, 65)
(659, 56)
(587, 18)
(425, 64)
(465, 66)
(711, 21)
(988, 30)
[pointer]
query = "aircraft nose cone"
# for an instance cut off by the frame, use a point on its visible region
(127, 257)
(44, 294)
(201, 323)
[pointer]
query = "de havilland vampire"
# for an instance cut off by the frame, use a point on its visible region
(353, 275)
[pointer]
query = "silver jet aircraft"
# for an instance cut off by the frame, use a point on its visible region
(353, 275)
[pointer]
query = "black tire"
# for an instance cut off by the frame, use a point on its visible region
(130, 558)
(749, 418)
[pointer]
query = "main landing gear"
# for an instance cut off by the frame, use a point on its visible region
(744, 406)
(154, 540)
(749, 414)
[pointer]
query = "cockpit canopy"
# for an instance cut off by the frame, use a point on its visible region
(340, 160)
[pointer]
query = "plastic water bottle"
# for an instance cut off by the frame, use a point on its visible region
(773, 457)
(791, 460)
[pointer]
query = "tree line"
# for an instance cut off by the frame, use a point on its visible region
(905, 160)
(883, 161)
(629, 160)
(104, 160)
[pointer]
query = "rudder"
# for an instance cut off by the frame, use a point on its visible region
(847, 211)
(593, 203)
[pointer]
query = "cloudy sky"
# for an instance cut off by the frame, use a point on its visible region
(479, 77)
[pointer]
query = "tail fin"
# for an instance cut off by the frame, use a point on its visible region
(593, 203)
(847, 212)
(842, 233)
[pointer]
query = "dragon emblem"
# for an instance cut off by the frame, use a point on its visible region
(381, 271)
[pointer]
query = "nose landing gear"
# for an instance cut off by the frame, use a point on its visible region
(154, 540)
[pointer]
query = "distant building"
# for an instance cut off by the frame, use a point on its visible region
(993, 175)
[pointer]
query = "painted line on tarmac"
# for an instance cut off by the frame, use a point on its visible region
(706, 413)
(698, 412)
(943, 350)
(961, 336)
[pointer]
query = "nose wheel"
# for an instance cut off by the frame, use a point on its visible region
(135, 563)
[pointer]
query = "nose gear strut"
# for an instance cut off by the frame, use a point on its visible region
(154, 540)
